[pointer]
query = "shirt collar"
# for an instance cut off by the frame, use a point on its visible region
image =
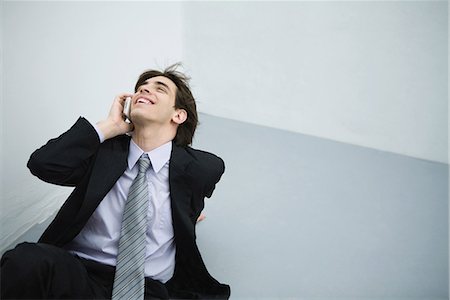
(158, 156)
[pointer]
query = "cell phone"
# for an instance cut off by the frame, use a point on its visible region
(126, 109)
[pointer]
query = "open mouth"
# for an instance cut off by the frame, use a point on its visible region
(144, 101)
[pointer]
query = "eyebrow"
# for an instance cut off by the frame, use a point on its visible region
(160, 83)
(163, 84)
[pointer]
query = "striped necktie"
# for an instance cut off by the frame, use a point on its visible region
(129, 279)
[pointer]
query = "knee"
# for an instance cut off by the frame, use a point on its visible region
(23, 254)
(25, 260)
(25, 270)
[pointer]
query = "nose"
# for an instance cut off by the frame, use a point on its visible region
(144, 90)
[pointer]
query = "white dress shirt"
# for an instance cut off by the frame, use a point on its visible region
(99, 239)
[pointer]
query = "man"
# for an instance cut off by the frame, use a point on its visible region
(85, 251)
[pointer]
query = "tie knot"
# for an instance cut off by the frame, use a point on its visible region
(144, 163)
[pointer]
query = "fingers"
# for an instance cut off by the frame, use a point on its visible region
(129, 127)
(122, 97)
(201, 217)
(119, 103)
(115, 124)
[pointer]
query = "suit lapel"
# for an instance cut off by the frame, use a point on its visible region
(110, 164)
(181, 193)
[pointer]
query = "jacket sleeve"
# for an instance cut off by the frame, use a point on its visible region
(216, 167)
(65, 160)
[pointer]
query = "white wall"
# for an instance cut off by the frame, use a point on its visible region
(366, 73)
(62, 60)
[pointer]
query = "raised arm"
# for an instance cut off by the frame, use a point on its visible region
(65, 160)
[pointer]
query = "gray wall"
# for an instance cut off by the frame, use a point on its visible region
(298, 216)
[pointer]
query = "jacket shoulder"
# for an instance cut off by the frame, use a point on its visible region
(206, 159)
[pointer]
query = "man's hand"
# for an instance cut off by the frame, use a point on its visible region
(201, 217)
(115, 124)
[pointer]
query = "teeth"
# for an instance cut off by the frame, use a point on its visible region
(142, 100)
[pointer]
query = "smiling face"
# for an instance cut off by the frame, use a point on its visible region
(171, 83)
(154, 101)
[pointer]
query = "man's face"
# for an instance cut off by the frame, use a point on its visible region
(154, 101)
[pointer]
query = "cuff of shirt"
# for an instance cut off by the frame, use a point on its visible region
(100, 134)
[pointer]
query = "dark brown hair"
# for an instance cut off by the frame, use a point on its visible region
(183, 100)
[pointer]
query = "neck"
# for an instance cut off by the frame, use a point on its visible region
(151, 137)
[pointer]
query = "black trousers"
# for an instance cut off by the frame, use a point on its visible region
(42, 271)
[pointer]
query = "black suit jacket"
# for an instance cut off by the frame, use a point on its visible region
(78, 159)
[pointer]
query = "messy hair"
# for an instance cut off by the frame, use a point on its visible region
(183, 100)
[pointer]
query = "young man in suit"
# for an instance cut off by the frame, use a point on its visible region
(77, 255)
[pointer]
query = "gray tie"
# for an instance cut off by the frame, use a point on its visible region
(129, 280)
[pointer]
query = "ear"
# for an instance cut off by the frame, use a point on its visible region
(180, 116)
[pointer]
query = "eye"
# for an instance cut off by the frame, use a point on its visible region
(161, 89)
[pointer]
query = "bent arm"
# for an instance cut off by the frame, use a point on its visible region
(216, 170)
(65, 160)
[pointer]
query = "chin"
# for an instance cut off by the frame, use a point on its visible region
(139, 119)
